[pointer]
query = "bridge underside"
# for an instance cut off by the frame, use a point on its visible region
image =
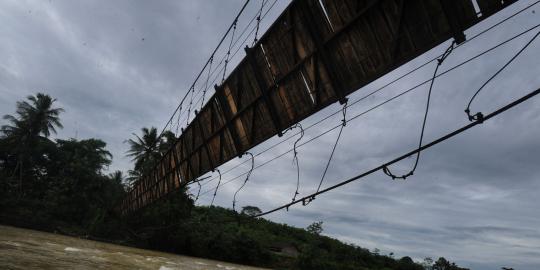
(314, 54)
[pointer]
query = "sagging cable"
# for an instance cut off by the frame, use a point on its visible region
(479, 117)
(178, 121)
(258, 22)
(207, 79)
(217, 187)
(295, 157)
(190, 104)
(229, 51)
(343, 124)
(246, 180)
(198, 192)
(385, 169)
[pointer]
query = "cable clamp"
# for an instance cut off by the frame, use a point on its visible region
(308, 200)
(478, 117)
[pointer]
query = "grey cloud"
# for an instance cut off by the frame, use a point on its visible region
(473, 198)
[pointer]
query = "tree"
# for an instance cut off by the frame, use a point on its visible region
(427, 263)
(35, 118)
(145, 149)
(117, 177)
(76, 172)
(407, 263)
(315, 227)
(168, 139)
(251, 210)
(35, 121)
(443, 264)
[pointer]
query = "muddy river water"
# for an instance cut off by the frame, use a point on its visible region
(27, 249)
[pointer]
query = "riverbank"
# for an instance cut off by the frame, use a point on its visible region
(30, 249)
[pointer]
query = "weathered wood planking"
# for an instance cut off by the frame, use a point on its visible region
(314, 54)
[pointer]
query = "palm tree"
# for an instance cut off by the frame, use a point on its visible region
(145, 149)
(35, 120)
(117, 177)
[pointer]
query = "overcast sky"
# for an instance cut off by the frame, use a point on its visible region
(117, 66)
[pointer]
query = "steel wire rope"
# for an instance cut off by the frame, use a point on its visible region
(229, 52)
(479, 116)
(295, 156)
(343, 124)
(198, 192)
(206, 82)
(440, 61)
(246, 180)
(258, 23)
(217, 187)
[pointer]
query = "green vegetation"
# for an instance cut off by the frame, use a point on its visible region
(62, 185)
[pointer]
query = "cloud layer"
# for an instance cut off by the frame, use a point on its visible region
(119, 66)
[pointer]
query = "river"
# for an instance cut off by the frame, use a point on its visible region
(28, 249)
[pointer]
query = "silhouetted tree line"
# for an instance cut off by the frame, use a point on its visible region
(62, 185)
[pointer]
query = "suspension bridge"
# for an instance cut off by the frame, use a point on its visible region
(315, 54)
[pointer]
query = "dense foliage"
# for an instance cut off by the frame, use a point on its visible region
(62, 185)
